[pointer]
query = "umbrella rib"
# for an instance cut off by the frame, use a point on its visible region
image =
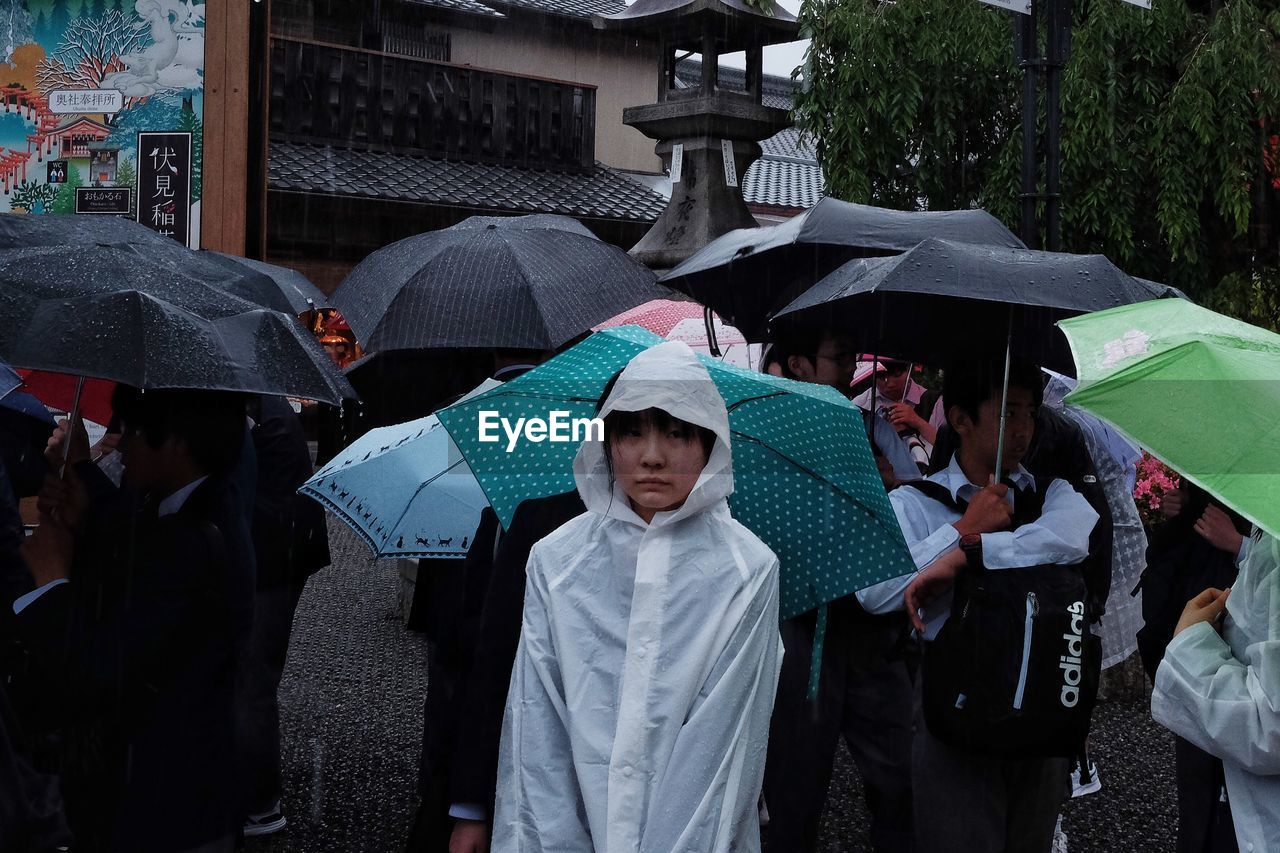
(519, 263)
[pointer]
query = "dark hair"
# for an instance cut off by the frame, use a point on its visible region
(791, 340)
(803, 341)
(659, 419)
(970, 384)
(210, 423)
(616, 422)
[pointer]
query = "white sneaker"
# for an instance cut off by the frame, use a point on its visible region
(1059, 838)
(265, 823)
(1086, 782)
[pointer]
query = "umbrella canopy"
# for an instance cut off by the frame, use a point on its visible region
(748, 274)
(25, 427)
(295, 287)
(942, 299)
(25, 231)
(67, 234)
(9, 381)
(682, 320)
(1200, 391)
(805, 479)
(404, 490)
(111, 312)
(530, 282)
(58, 390)
(142, 340)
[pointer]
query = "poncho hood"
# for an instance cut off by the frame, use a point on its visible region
(671, 378)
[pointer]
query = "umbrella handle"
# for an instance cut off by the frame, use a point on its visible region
(712, 343)
(72, 416)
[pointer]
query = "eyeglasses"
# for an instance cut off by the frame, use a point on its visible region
(842, 359)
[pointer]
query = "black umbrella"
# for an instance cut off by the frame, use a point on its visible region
(71, 233)
(748, 274)
(25, 427)
(530, 282)
(220, 272)
(296, 288)
(24, 231)
(142, 340)
(30, 275)
(944, 300)
(113, 313)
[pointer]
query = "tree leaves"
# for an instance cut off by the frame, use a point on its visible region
(1166, 114)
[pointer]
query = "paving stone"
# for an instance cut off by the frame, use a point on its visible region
(351, 710)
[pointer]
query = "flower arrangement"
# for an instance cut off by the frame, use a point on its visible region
(1154, 479)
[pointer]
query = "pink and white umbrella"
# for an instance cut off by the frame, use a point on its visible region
(679, 320)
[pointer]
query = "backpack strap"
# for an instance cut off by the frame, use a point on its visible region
(937, 492)
(928, 400)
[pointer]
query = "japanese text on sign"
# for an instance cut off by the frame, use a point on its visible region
(86, 101)
(164, 184)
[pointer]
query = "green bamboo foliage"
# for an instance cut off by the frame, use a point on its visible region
(1167, 116)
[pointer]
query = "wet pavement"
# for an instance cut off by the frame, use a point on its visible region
(351, 709)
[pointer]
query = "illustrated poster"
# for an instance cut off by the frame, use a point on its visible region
(80, 81)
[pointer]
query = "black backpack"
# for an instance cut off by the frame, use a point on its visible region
(1014, 671)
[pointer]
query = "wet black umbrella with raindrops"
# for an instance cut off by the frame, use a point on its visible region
(942, 300)
(529, 282)
(266, 285)
(748, 274)
(109, 312)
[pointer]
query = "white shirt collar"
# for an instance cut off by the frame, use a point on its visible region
(174, 502)
(953, 477)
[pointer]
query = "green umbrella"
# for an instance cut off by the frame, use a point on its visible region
(1197, 389)
(805, 479)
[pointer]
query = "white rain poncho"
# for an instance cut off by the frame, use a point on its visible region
(638, 714)
(1222, 693)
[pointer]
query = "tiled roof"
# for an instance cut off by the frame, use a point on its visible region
(783, 183)
(788, 175)
(606, 194)
(790, 144)
(458, 6)
(568, 8)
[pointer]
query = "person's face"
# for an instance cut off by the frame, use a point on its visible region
(834, 361)
(145, 467)
(657, 468)
(337, 352)
(979, 439)
(892, 381)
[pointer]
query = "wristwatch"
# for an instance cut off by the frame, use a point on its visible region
(971, 545)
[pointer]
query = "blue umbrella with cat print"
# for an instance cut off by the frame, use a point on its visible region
(404, 489)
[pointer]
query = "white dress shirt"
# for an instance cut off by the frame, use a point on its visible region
(1060, 535)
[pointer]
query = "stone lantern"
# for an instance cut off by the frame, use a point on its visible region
(707, 134)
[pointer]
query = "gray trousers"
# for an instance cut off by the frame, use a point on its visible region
(969, 803)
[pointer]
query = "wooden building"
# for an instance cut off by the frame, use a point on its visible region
(334, 127)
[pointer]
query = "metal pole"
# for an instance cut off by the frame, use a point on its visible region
(1027, 50)
(1004, 399)
(1059, 41)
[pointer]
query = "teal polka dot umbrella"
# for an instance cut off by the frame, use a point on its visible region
(805, 480)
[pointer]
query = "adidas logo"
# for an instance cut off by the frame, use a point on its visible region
(1070, 662)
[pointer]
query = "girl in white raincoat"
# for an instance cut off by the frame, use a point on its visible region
(638, 713)
(1222, 693)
